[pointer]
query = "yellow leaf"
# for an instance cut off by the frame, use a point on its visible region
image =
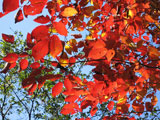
(68, 12)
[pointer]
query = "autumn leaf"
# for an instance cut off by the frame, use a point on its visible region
(55, 46)
(110, 54)
(11, 58)
(32, 89)
(10, 5)
(8, 38)
(42, 19)
(57, 89)
(40, 49)
(68, 84)
(93, 111)
(35, 65)
(60, 28)
(97, 53)
(110, 105)
(23, 64)
(19, 16)
(64, 61)
(40, 33)
(69, 11)
(71, 98)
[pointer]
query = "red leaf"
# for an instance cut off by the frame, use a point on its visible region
(10, 5)
(110, 105)
(71, 98)
(40, 32)
(69, 108)
(42, 19)
(55, 46)
(60, 28)
(19, 16)
(57, 89)
(35, 65)
(40, 50)
(34, 8)
(32, 89)
(23, 64)
(146, 37)
(11, 57)
(93, 111)
(68, 84)
(8, 38)
(12, 65)
(55, 77)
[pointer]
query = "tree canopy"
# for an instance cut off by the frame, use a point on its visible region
(87, 59)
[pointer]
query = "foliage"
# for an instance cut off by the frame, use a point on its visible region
(118, 38)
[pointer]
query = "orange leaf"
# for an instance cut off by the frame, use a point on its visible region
(110, 105)
(69, 11)
(60, 28)
(40, 50)
(8, 38)
(11, 57)
(97, 53)
(110, 54)
(55, 46)
(23, 64)
(10, 5)
(57, 89)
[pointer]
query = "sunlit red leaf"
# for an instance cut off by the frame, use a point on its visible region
(34, 8)
(146, 37)
(8, 38)
(12, 65)
(40, 49)
(23, 64)
(35, 65)
(41, 32)
(69, 11)
(10, 5)
(93, 111)
(60, 28)
(11, 57)
(32, 89)
(42, 19)
(71, 98)
(68, 84)
(110, 105)
(55, 46)
(69, 108)
(57, 89)
(19, 16)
